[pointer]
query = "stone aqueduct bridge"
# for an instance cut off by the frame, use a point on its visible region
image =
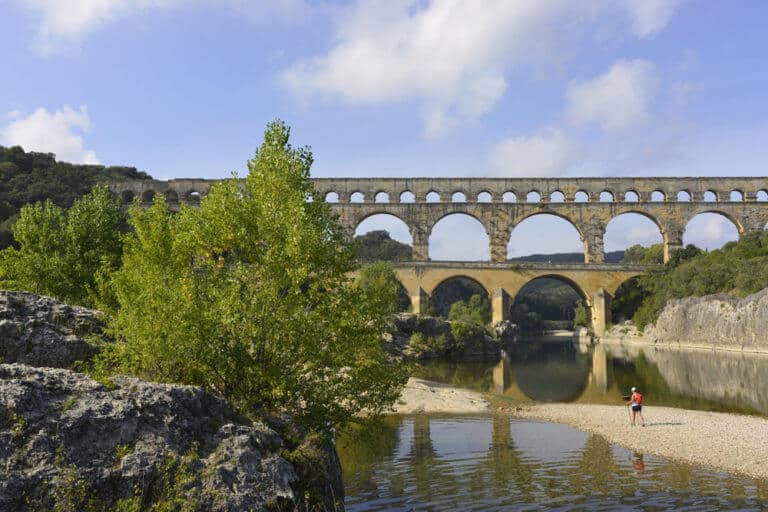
(499, 204)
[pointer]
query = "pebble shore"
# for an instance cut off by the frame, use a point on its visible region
(729, 442)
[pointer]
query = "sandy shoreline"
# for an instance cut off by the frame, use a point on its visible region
(423, 396)
(728, 442)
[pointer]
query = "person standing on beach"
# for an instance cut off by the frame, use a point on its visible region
(636, 401)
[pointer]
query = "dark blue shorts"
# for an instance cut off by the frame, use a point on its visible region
(637, 408)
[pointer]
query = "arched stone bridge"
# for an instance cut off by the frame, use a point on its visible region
(499, 204)
(502, 281)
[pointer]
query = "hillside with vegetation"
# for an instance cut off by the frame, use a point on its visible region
(29, 177)
(738, 268)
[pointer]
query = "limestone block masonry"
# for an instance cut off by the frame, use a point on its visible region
(500, 204)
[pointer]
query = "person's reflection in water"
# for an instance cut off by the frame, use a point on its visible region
(637, 462)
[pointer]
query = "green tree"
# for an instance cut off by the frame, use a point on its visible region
(63, 252)
(581, 316)
(249, 296)
(475, 311)
(380, 280)
(639, 254)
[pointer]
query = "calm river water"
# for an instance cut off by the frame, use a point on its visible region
(431, 462)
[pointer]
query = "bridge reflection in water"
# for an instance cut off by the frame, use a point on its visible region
(496, 462)
(566, 372)
(493, 463)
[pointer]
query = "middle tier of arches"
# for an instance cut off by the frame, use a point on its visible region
(589, 221)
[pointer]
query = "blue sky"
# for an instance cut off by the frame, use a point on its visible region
(183, 88)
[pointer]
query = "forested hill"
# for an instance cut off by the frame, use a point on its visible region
(28, 177)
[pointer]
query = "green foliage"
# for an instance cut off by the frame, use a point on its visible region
(63, 252)
(451, 291)
(545, 303)
(739, 268)
(638, 254)
(428, 346)
(581, 316)
(379, 279)
(37, 177)
(475, 311)
(378, 246)
(249, 296)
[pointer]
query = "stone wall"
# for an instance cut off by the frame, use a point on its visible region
(669, 202)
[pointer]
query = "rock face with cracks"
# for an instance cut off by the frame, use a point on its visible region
(42, 331)
(67, 438)
(718, 319)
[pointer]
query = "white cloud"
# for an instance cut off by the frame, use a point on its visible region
(616, 100)
(649, 17)
(710, 231)
(64, 23)
(549, 152)
(56, 132)
(451, 57)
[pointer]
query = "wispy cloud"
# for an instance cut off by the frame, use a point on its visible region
(58, 132)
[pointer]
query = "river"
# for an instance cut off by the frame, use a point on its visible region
(494, 462)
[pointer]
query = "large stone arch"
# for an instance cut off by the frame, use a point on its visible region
(531, 214)
(458, 212)
(723, 212)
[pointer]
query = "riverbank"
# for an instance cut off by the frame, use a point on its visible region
(728, 442)
(625, 337)
(423, 396)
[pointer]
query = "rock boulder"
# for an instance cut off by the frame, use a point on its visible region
(41, 331)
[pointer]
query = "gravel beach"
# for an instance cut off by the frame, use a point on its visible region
(729, 442)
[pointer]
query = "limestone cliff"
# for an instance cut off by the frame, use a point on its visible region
(721, 320)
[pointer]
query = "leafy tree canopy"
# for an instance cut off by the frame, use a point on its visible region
(249, 296)
(64, 253)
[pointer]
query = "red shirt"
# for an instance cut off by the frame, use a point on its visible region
(637, 398)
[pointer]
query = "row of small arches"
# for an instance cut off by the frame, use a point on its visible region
(581, 196)
(631, 196)
(191, 196)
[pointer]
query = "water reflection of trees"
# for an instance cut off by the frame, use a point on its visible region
(404, 468)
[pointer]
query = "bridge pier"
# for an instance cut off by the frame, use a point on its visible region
(500, 305)
(419, 301)
(420, 244)
(601, 308)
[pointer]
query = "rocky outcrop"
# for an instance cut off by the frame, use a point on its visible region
(721, 320)
(41, 331)
(425, 337)
(67, 439)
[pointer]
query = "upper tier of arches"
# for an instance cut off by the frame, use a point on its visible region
(488, 190)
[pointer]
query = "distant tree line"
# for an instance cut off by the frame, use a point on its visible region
(30, 177)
